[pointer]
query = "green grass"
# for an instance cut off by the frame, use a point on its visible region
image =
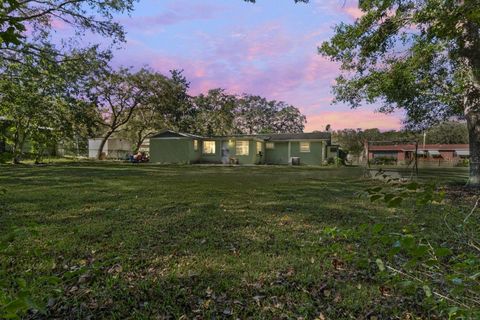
(165, 241)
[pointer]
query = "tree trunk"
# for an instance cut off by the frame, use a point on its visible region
(17, 149)
(102, 145)
(473, 122)
(140, 139)
(469, 46)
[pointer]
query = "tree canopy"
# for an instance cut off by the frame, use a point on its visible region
(40, 17)
(420, 56)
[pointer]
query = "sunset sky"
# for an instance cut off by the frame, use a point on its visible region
(268, 48)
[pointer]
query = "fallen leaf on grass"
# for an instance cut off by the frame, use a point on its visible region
(209, 292)
(338, 264)
(115, 269)
(290, 272)
(228, 312)
(320, 317)
(257, 299)
(385, 291)
(338, 298)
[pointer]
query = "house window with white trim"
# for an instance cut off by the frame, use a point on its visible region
(241, 148)
(195, 145)
(304, 146)
(209, 147)
(270, 145)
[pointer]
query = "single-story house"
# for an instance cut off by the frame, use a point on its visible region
(428, 152)
(114, 148)
(305, 148)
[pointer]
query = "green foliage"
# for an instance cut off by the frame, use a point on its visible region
(40, 98)
(423, 80)
(419, 56)
(447, 277)
(82, 15)
(254, 115)
(449, 132)
(220, 113)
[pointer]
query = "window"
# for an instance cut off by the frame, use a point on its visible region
(304, 146)
(270, 145)
(195, 145)
(242, 148)
(209, 147)
(259, 147)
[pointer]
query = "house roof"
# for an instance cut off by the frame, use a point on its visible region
(428, 147)
(172, 134)
(298, 136)
(267, 137)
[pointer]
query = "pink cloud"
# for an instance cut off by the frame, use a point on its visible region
(176, 12)
(357, 118)
(346, 7)
(59, 24)
(354, 11)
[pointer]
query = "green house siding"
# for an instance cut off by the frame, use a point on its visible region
(251, 158)
(194, 155)
(176, 150)
(171, 147)
(277, 155)
(314, 157)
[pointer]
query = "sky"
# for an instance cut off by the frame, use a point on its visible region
(268, 49)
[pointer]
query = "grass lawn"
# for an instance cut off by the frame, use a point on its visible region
(209, 242)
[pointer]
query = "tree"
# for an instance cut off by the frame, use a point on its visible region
(155, 110)
(83, 15)
(116, 95)
(449, 132)
(288, 119)
(351, 140)
(421, 56)
(177, 104)
(38, 97)
(214, 113)
(253, 114)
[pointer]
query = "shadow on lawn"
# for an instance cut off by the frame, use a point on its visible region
(167, 241)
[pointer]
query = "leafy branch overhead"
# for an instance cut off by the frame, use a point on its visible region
(420, 56)
(82, 15)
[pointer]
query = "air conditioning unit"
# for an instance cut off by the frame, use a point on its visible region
(295, 161)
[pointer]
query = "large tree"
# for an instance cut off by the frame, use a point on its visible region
(422, 56)
(39, 98)
(288, 119)
(214, 113)
(95, 16)
(116, 95)
(255, 114)
(165, 105)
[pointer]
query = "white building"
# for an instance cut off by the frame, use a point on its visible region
(115, 148)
